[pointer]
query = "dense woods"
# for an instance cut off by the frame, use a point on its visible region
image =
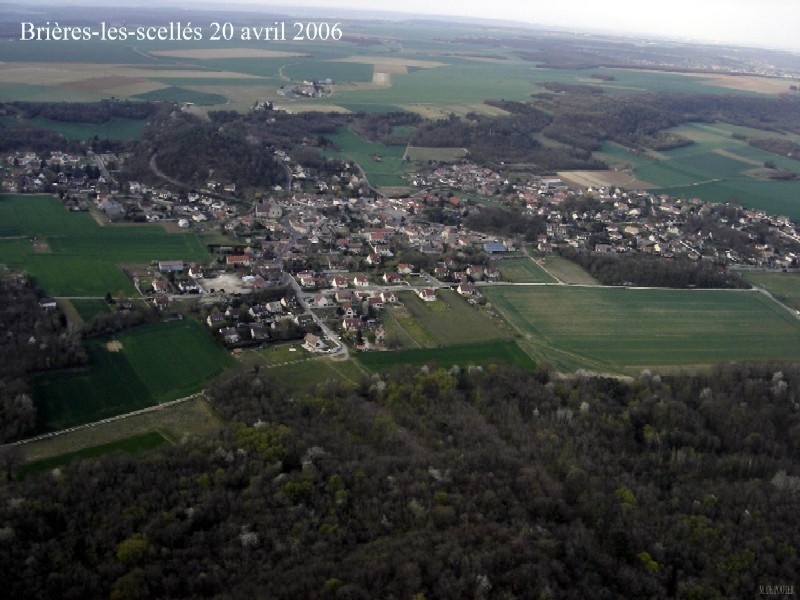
(86, 112)
(652, 271)
(435, 484)
(502, 221)
(34, 339)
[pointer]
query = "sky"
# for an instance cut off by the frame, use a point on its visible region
(766, 23)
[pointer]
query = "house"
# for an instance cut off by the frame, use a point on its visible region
(259, 312)
(338, 282)
(196, 272)
(343, 295)
(352, 324)
(160, 285)
(360, 281)
(392, 278)
(189, 287)
(240, 260)
(467, 289)
(350, 311)
(375, 302)
(405, 269)
(320, 301)
(494, 248)
(215, 319)
(491, 272)
(47, 303)
(313, 343)
(441, 272)
(233, 314)
(427, 294)
(388, 296)
(170, 266)
(230, 335)
(374, 259)
(161, 302)
(259, 332)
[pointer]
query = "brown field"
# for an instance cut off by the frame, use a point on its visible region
(211, 53)
(381, 78)
(747, 83)
(98, 84)
(604, 178)
(392, 68)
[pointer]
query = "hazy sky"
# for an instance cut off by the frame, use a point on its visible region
(769, 23)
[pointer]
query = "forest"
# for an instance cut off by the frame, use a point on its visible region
(34, 340)
(653, 271)
(432, 483)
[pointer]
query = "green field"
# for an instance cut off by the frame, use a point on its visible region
(132, 445)
(626, 330)
(498, 351)
(785, 287)
(453, 321)
(88, 309)
(567, 271)
(180, 94)
(422, 154)
(157, 363)
(301, 375)
(716, 168)
(84, 256)
(113, 129)
(382, 164)
(524, 270)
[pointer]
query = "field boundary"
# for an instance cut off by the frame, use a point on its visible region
(141, 411)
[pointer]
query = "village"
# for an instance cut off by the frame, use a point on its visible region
(320, 260)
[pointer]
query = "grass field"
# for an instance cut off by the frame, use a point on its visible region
(382, 164)
(567, 271)
(84, 256)
(302, 375)
(453, 322)
(134, 445)
(156, 363)
(524, 270)
(785, 287)
(195, 417)
(87, 309)
(114, 129)
(497, 351)
(181, 94)
(422, 154)
(619, 330)
(715, 168)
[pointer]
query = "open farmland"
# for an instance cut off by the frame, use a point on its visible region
(84, 256)
(567, 271)
(498, 351)
(456, 323)
(626, 330)
(524, 270)
(716, 168)
(155, 363)
(785, 287)
(382, 164)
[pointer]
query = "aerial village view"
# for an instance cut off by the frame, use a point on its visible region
(348, 301)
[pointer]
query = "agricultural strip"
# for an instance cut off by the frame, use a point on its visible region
(567, 271)
(498, 351)
(524, 270)
(626, 330)
(382, 164)
(156, 363)
(457, 323)
(785, 287)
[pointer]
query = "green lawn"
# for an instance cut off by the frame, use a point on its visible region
(181, 94)
(567, 271)
(613, 329)
(156, 363)
(454, 322)
(524, 270)
(498, 351)
(84, 256)
(87, 309)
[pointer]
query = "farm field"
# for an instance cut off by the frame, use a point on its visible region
(497, 351)
(87, 309)
(524, 270)
(84, 256)
(455, 321)
(423, 155)
(113, 129)
(302, 375)
(382, 164)
(716, 168)
(785, 287)
(153, 364)
(134, 445)
(567, 271)
(627, 330)
(195, 417)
